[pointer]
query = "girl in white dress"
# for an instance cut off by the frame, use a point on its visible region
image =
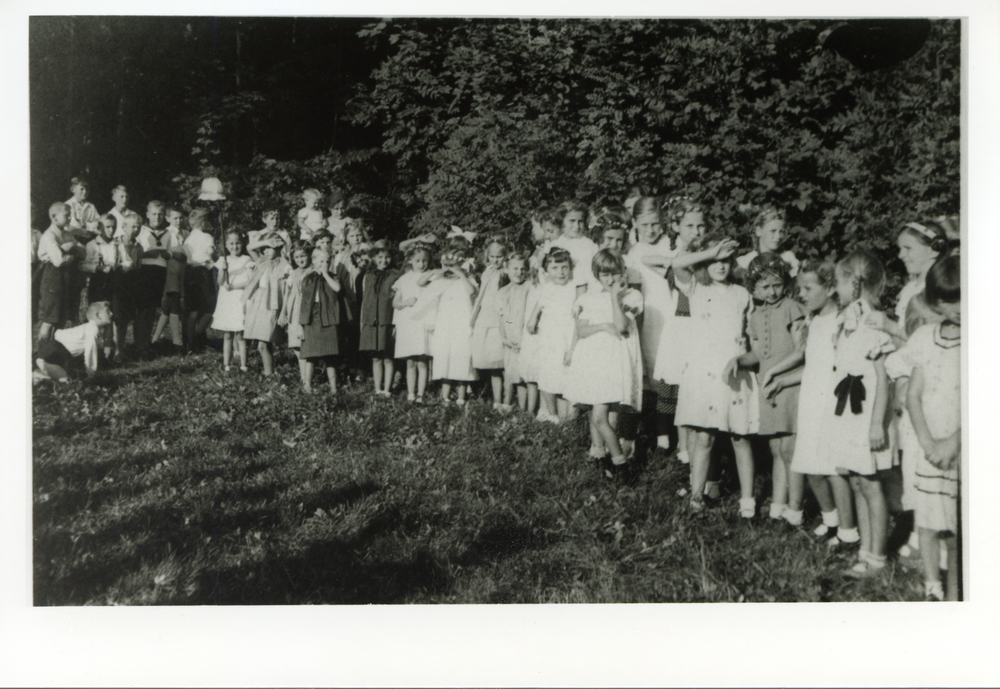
(817, 284)
(715, 397)
(935, 404)
(603, 371)
(551, 321)
(453, 291)
(920, 244)
(854, 437)
(413, 341)
(487, 346)
(234, 273)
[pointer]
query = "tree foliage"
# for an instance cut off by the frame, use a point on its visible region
(494, 116)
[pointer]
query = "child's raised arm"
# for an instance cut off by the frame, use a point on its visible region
(427, 238)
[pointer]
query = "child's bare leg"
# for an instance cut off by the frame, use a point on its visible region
(460, 391)
(496, 380)
(878, 513)
(390, 371)
(548, 403)
(422, 372)
(265, 355)
(701, 442)
(331, 375)
(532, 397)
(952, 590)
(51, 370)
(377, 373)
(796, 481)
(562, 408)
(161, 325)
(508, 389)
(821, 489)
(45, 333)
(930, 556)
(599, 419)
(176, 330)
(227, 349)
(596, 439)
(522, 397)
(120, 327)
(306, 370)
(241, 348)
(779, 475)
(411, 378)
(445, 390)
(843, 497)
(191, 326)
(744, 464)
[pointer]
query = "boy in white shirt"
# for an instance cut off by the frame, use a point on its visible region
(55, 356)
(120, 196)
(158, 243)
(199, 288)
(59, 254)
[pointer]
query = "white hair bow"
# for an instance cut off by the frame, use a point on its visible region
(456, 231)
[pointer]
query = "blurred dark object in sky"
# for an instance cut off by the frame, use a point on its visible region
(871, 44)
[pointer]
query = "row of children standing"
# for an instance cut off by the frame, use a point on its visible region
(645, 317)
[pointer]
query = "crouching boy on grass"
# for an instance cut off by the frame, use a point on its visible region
(55, 357)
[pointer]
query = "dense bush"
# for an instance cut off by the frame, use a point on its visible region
(481, 120)
(496, 116)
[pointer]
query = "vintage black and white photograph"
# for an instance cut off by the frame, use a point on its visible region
(424, 310)
(418, 310)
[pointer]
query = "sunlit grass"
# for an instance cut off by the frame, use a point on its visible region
(172, 482)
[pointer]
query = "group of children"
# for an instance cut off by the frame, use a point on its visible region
(639, 311)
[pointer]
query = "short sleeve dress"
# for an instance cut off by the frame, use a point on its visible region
(940, 360)
(770, 333)
(451, 345)
(706, 399)
(487, 348)
(555, 332)
(815, 393)
(845, 443)
(229, 309)
(603, 370)
(412, 338)
(512, 301)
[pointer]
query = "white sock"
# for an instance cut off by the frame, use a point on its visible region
(683, 457)
(777, 510)
(663, 441)
(848, 535)
(793, 517)
(831, 518)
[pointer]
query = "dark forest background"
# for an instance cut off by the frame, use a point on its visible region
(852, 126)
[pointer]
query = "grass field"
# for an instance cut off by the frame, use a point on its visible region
(171, 482)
